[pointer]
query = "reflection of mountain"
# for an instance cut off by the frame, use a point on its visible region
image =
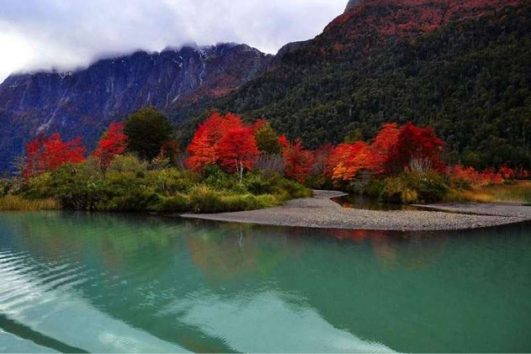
(45, 302)
(266, 322)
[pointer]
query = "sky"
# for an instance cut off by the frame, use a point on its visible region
(69, 34)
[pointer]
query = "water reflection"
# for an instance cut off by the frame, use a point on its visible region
(133, 283)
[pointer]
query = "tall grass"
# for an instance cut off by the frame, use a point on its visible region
(16, 203)
(518, 192)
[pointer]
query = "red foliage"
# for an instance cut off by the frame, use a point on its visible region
(222, 139)
(382, 145)
(112, 143)
(391, 151)
(415, 143)
(348, 159)
(481, 178)
(283, 141)
(47, 154)
(237, 150)
(298, 162)
(202, 148)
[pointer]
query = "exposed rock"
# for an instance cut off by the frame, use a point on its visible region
(82, 103)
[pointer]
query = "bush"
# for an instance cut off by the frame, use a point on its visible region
(127, 163)
(248, 202)
(413, 187)
(397, 191)
(257, 184)
(178, 203)
(171, 181)
(204, 199)
(430, 185)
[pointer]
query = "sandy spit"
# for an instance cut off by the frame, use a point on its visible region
(321, 212)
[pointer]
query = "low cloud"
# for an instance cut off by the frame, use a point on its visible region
(65, 34)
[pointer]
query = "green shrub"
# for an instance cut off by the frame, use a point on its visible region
(39, 186)
(257, 184)
(429, 185)
(397, 191)
(178, 203)
(204, 199)
(413, 187)
(127, 163)
(136, 200)
(247, 202)
(170, 181)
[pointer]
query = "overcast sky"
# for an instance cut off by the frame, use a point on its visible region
(65, 34)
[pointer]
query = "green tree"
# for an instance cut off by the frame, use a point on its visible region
(267, 139)
(147, 129)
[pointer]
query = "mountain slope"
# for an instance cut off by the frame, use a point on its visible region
(85, 101)
(460, 66)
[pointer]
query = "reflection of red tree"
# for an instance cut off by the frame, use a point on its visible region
(353, 235)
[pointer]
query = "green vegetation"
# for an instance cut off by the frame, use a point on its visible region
(147, 129)
(133, 185)
(17, 203)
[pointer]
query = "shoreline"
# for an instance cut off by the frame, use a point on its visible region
(321, 212)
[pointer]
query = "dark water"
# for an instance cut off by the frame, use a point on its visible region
(75, 282)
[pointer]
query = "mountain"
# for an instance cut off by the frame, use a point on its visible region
(460, 66)
(82, 103)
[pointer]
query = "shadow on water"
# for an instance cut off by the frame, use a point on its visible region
(159, 284)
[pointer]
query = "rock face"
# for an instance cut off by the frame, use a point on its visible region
(82, 103)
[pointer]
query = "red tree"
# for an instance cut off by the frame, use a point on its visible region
(348, 159)
(415, 143)
(47, 154)
(112, 143)
(203, 148)
(237, 150)
(298, 162)
(382, 144)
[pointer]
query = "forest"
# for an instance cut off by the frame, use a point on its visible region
(469, 80)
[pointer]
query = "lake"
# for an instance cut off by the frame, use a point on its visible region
(107, 283)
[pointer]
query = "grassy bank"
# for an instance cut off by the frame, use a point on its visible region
(517, 192)
(18, 203)
(132, 185)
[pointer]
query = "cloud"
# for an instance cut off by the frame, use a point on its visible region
(65, 34)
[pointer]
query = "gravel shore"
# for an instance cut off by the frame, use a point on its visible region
(321, 212)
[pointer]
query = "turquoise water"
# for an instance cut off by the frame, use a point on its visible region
(78, 282)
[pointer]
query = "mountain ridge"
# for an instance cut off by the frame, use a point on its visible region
(85, 101)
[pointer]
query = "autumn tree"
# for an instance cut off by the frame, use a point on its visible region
(347, 160)
(49, 153)
(415, 144)
(113, 142)
(298, 162)
(382, 144)
(237, 150)
(147, 129)
(203, 148)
